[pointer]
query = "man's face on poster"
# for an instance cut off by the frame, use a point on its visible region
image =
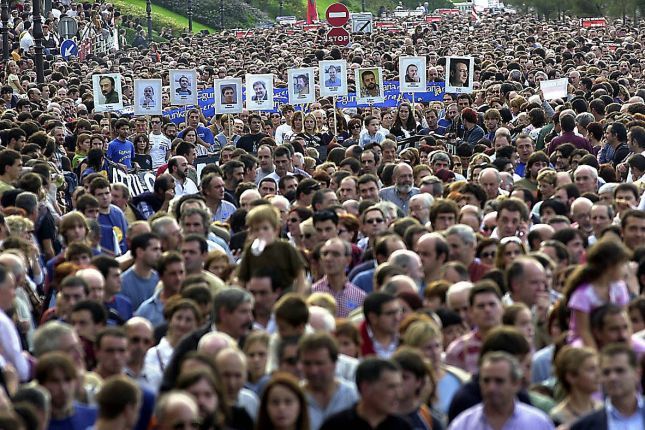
(369, 80)
(300, 84)
(412, 72)
(461, 74)
(183, 82)
(148, 92)
(260, 92)
(228, 95)
(106, 86)
(332, 73)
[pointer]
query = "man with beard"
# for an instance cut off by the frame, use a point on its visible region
(369, 88)
(108, 91)
(302, 85)
(403, 188)
(333, 81)
(178, 168)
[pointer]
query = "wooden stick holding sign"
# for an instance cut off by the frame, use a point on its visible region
(335, 119)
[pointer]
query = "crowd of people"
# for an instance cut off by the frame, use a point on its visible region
(471, 263)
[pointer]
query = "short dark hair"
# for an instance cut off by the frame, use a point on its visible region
(168, 258)
(103, 264)
(115, 394)
(319, 340)
(109, 332)
(96, 310)
(194, 237)
(485, 286)
(374, 302)
(7, 158)
(371, 369)
(325, 215)
(141, 241)
(614, 349)
(507, 339)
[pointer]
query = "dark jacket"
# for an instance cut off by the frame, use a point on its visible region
(594, 421)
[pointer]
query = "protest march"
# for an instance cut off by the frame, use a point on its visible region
(413, 219)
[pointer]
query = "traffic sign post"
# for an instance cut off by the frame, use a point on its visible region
(362, 22)
(337, 15)
(68, 48)
(338, 36)
(67, 27)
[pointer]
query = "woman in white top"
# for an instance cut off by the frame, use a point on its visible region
(183, 317)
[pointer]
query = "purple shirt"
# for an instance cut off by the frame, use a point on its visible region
(524, 417)
(585, 299)
(572, 138)
(347, 299)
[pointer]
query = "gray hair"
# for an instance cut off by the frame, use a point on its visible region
(589, 169)
(47, 337)
(457, 288)
(497, 356)
(465, 233)
(584, 119)
(403, 258)
(229, 299)
(425, 198)
(159, 225)
(27, 201)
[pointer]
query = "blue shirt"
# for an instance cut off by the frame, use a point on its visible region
(224, 211)
(365, 280)
(152, 309)
(524, 417)
(121, 151)
(204, 134)
(113, 221)
(344, 395)
(122, 306)
(391, 194)
(615, 420)
(136, 288)
(84, 416)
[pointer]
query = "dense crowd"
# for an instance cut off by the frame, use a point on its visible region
(471, 263)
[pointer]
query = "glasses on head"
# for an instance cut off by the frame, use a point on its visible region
(374, 221)
(508, 239)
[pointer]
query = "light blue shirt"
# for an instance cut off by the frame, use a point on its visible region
(524, 417)
(136, 288)
(224, 211)
(391, 194)
(344, 397)
(152, 309)
(617, 421)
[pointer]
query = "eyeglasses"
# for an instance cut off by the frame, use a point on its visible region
(488, 228)
(293, 220)
(275, 116)
(488, 254)
(374, 221)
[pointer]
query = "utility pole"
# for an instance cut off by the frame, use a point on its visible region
(362, 5)
(5, 30)
(281, 8)
(38, 43)
(149, 14)
(190, 16)
(221, 14)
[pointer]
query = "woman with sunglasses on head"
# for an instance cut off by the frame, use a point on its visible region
(354, 126)
(142, 152)
(509, 249)
(337, 129)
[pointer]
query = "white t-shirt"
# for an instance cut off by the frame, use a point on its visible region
(281, 132)
(159, 147)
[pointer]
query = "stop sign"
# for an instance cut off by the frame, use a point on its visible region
(337, 15)
(338, 36)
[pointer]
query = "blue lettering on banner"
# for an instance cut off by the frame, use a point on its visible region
(206, 99)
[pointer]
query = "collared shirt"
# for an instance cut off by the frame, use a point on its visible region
(617, 421)
(344, 395)
(347, 299)
(188, 187)
(224, 211)
(464, 352)
(523, 417)
(383, 351)
(152, 309)
(391, 194)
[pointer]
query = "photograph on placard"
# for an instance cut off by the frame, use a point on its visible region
(183, 87)
(259, 92)
(333, 78)
(107, 92)
(301, 86)
(412, 74)
(460, 74)
(147, 97)
(228, 95)
(369, 85)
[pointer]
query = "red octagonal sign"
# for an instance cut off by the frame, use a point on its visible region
(338, 36)
(337, 15)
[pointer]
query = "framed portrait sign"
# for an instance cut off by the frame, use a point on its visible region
(147, 97)
(228, 95)
(412, 74)
(183, 87)
(301, 86)
(259, 92)
(369, 86)
(106, 88)
(333, 78)
(459, 74)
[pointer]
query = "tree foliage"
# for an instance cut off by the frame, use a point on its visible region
(583, 8)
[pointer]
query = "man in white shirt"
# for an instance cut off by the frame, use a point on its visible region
(178, 168)
(10, 347)
(159, 143)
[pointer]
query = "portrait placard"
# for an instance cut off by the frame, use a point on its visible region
(228, 95)
(106, 88)
(459, 72)
(369, 86)
(301, 86)
(183, 87)
(333, 78)
(259, 92)
(412, 74)
(147, 97)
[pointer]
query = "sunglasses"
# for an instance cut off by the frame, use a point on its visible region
(488, 228)
(487, 254)
(293, 220)
(374, 221)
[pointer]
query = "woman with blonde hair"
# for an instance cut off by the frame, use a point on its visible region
(578, 374)
(425, 335)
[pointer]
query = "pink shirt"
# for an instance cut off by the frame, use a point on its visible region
(585, 299)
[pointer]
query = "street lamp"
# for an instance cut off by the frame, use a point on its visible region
(363, 5)
(221, 14)
(5, 30)
(281, 8)
(149, 13)
(38, 43)
(190, 16)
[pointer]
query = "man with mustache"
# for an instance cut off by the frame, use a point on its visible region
(403, 188)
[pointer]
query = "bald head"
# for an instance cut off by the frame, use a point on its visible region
(214, 342)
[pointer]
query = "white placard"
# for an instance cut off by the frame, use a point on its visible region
(107, 92)
(259, 92)
(333, 78)
(554, 89)
(301, 86)
(183, 87)
(412, 74)
(369, 86)
(460, 72)
(228, 95)
(147, 97)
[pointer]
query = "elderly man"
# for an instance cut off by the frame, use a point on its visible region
(463, 243)
(420, 207)
(433, 250)
(176, 410)
(403, 189)
(232, 366)
(490, 180)
(410, 263)
(581, 214)
(586, 179)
